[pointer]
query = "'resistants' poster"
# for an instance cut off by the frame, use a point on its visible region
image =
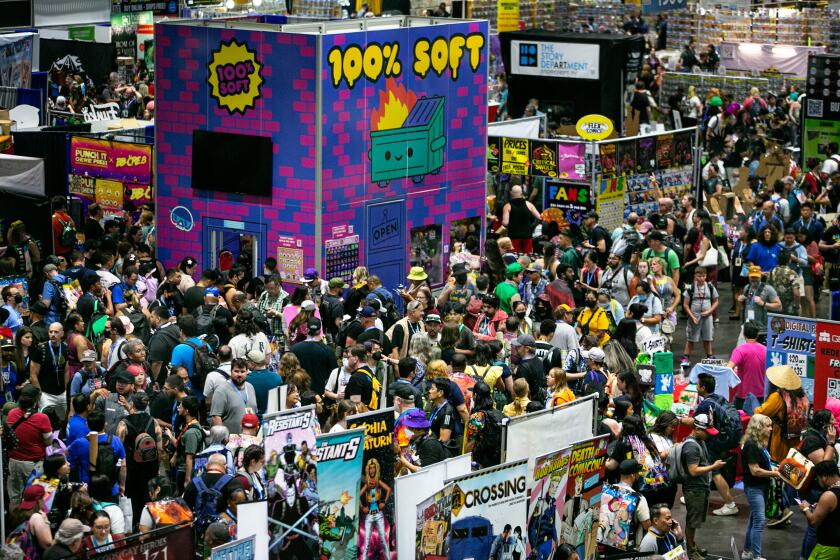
(340, 468)
(587, 467)
(545, 505)
(291, 476)
(377, 534)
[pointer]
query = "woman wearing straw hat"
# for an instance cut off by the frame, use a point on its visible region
(787, 406)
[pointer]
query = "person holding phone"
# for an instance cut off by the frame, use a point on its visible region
(757, 477)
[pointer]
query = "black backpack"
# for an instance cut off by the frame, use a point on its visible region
(488, 446)
(142, 329)
(206, 320)
(727, 421)
(68, 233)
(204, 361)
(106, 461)
(343, 329)
(60, 299)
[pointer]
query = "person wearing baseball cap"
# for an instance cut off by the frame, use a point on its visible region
(535, 285)
(89, 378)
(315, 284)
(458, 289)
(698, 474)
(67, 541)
(530, 367)
(595, 378)
(758, 297)
(508, 291)
(262, 379)
(332, 306)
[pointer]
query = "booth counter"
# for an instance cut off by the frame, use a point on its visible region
(328, 145)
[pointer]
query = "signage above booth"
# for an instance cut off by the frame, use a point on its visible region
(594, 127)
(555, 60)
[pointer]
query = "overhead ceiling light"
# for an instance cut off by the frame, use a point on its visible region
(230, 4)
(257, 3)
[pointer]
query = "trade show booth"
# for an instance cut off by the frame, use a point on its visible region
(328, 145)
(571, 74)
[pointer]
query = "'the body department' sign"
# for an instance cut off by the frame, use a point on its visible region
(555, 60)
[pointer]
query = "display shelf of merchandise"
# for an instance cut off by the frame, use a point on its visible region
(541, 14)
(317, 8)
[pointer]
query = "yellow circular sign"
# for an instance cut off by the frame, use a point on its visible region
(594, 127)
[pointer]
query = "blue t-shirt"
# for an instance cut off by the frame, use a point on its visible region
(183, 355)
(764, 256)
(50, 293)
(118, 292)
(78, 453)
(263, 381)
(76, 428)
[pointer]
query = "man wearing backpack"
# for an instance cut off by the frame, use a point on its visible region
(115, 406)
(657, 248)
(184, 355)
(142, 439)
(213, 318)
(207, 495)
(727, 434)
(234, 399)
(165, 338)
(108, 455)
(53, 294)
(697, 470)
(63, 227)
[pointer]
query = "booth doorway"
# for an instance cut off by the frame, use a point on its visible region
(228, 243)
(385, 244)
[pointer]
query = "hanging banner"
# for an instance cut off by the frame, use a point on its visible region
(290, 471)
(610, 202)
(508, 16)
(111, 160)
(571, 161)
(792, 341)
(159, 7)
(377, 532)
(826, 363)
(656, 6)
(434, 518)
(130, 31)
(485, 505)
(574, 199)
(555, 60)
(16, 60)
(339, 480)
(545, 505)
(587, 468)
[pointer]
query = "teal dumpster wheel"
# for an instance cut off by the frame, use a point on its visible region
(383, 184)
(417, 179)
(437, 171)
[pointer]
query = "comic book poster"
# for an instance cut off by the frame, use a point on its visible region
(664, 156)
(573, 199)
(340, 471)
(377, 534)
(646, 155)
(545, 505)
(682, 149)
(434, 517)
(587, 466)
(625, 155)
(493, 153)
(290, 469)
(489, 506)
(618, 513)
(608, 163)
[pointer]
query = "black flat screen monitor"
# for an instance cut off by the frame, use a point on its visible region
(233, 163)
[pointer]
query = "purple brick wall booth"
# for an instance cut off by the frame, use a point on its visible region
(402, 133)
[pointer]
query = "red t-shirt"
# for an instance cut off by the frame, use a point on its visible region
(30, 434)
(58, 228)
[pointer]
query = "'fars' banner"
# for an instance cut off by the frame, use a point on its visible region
(827, 363)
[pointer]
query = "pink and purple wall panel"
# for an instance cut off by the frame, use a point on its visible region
(383, 172)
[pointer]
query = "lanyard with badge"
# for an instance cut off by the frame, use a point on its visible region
(56, 362)
(243, 394)
(435, 413)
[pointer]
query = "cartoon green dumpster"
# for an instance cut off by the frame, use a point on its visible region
(413, 150)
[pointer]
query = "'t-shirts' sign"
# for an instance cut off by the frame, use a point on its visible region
(555, 60)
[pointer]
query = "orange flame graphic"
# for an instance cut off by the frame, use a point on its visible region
(394, 105)
(345, 497)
